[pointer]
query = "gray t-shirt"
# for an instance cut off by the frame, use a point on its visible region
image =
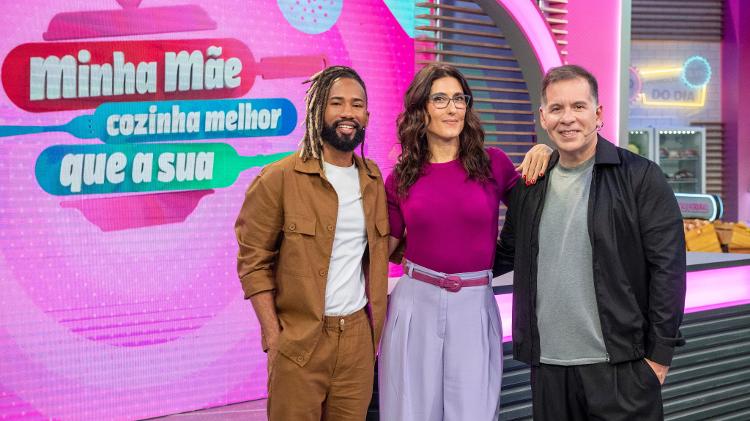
(569, 329)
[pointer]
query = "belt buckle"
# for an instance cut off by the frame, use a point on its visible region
(452, 283)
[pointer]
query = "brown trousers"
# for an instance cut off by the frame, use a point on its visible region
(335, 384)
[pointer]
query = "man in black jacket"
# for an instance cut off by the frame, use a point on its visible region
(599, 256)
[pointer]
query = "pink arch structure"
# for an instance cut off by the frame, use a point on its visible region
(531, 40)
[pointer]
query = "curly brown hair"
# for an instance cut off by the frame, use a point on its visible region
(412, 131)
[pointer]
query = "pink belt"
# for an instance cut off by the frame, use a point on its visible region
(451, 283)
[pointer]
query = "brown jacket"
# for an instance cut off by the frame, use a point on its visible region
(285, 233)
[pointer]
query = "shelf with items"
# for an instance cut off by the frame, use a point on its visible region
(682, 181)
(679, 159)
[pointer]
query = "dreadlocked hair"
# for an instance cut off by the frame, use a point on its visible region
(316, 99)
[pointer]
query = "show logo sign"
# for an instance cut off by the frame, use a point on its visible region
(149, 91)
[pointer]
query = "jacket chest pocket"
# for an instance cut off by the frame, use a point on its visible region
(295, 225)
(298, 245)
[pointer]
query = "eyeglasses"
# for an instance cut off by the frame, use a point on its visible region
(442, 101)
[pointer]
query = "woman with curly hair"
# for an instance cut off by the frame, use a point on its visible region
(441, 355)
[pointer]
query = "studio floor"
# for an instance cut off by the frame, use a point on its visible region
(245, 411)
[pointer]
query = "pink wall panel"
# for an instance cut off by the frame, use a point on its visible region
(594, 29)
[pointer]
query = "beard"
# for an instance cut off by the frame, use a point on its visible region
(343, 143)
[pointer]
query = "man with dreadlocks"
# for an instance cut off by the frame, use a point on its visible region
(313, 243)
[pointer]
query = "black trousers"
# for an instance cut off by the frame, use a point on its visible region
(625, 391)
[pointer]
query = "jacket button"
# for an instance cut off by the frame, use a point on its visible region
(330, 227)
(322, 272)
(292, 227)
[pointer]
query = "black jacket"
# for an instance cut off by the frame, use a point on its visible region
(638, 250)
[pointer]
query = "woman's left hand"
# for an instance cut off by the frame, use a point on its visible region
(535, 163)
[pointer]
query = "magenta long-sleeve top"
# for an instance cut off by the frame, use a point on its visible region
(451, 220)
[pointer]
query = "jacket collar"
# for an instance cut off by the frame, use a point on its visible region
(313, 166)
(606, 153)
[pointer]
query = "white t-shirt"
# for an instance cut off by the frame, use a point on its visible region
(345, 288)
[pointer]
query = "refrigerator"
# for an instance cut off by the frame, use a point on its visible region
(681, 154)
(642, 142)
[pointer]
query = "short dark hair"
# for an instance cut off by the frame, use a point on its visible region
(569, 72)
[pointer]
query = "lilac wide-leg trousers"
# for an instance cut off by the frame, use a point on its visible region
(441, 355)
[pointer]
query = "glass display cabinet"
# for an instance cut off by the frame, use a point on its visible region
(641, 141)
(681, 153)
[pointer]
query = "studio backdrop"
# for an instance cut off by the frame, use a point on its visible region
(129, 132)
